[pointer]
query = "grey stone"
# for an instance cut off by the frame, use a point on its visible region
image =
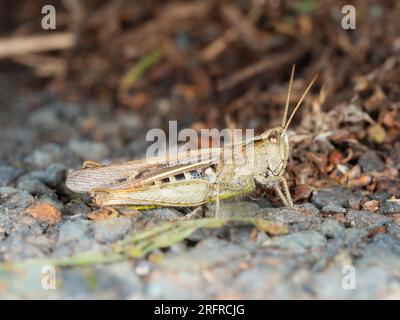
(309, 208)
(334, 252)
(260, 282)
(333, 209)
(242, 237)
(6, 222)
(45, 118)
(25, 242)
(337, 196)
(379, 195)
(89, 150)
(331, 284)
(208, 253)
(21, 252)
(76, 283)
(112, 229)
(287, 215)
(28, 227)
(187, 285)
(383, 253)
(114, 281)
(373, 283)
(384, 243)
(55, 115)
(8, 174)
(332, 229)
(364, 219)
(118, 280)
(297, 219)
(356, 240)
(73, 231)
(390, 207)
(370, 161)
(393, 229)
(12, 198)
(45, 155)
(34, 186)
(314, 224)
(159, 215)
(52, 176)
(86, 245)
(299, 242)
(235, 208)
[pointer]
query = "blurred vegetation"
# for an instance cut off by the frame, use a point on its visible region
(234, 55)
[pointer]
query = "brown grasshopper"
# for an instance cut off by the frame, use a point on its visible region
(195, 177)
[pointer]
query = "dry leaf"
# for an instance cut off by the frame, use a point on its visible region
(45, 212)
(375, 100)
(376, 133)
(376, 230)
(372, 205)
(335, 157)
(103, 213)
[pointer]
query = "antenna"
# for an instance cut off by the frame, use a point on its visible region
(288, 96)
(299, 103)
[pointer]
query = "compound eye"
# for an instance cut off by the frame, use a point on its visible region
(273, 137)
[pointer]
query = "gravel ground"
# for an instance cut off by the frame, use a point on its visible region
(330, 239)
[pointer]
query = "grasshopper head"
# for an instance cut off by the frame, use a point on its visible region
(276, 145)
(276, 140)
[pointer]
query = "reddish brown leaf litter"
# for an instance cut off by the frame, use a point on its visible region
(45, 212)
(103, 213)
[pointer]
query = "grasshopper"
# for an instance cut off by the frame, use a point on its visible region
(194, 177)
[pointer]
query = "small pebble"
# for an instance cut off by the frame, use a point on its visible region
(73, 231)
(380, 196)
(89, 150)
(13, 198)
(337, 196)
(299, 242)
(333, 209)
(34, 186)
(112, 229)
(44, 156)
(8, 174)
(370, 162)
(332, 229)
(364, 219)
(52, 176)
